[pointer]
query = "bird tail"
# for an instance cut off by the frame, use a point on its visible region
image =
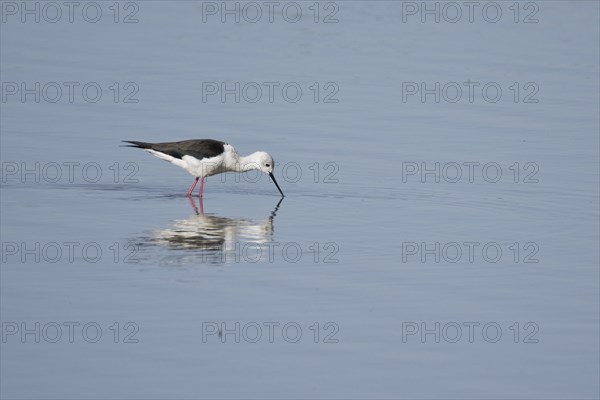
(138, 145)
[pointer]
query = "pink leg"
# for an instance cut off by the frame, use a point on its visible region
(201, 206)
(191, 189)
(193, 204)
(191, 199)
(201, 187)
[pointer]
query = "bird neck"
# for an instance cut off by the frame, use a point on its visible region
(248, 163)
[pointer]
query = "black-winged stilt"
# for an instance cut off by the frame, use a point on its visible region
(206, 157)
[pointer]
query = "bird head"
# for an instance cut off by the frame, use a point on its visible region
(264, 162)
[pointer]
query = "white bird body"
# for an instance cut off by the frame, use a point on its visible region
(228, 161)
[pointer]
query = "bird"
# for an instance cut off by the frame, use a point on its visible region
(207, 157)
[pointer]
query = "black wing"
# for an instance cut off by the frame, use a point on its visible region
(197, 148)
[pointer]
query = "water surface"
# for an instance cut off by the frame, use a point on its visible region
(352, 246)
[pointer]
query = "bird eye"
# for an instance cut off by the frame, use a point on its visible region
(267, 165)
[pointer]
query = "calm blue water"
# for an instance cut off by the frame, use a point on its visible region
(433, 242)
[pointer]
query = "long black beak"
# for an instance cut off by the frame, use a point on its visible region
(275, 182)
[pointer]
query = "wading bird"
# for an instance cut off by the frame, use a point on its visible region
(207, 157)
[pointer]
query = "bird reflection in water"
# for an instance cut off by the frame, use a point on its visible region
(215, 240)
